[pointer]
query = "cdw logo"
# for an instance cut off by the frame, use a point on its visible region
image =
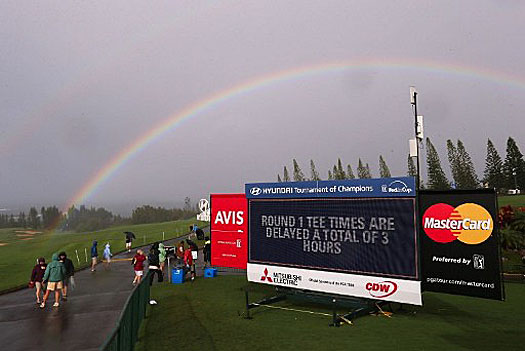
(382, 289)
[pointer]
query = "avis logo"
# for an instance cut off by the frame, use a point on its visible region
(266, 276)
(382, 289)
(255, 191)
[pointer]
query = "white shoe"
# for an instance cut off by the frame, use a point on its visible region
(42, 305)
(56, 304)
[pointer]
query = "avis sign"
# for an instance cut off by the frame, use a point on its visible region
(229, 230)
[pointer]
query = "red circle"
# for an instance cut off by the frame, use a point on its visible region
(435, 213)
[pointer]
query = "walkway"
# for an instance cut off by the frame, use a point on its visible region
(82, 323)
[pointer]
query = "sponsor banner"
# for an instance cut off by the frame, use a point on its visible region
(229, 230)
(361, 236)
(459, 243)
(377, 288)
(380, 187)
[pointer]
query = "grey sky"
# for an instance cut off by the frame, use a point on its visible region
(82, 80)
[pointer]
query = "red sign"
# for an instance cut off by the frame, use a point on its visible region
(229, 230)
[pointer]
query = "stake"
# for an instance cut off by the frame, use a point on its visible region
(85, 251)
(78, 259)
(163, 236)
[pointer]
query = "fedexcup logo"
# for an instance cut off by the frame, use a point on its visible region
(397, 186)
(469, 223)
(255, 191)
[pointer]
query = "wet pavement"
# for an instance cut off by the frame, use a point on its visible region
(81, 323)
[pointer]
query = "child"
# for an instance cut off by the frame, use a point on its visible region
(107, 256)
(138, 266)
(54, 275)
(37, 276)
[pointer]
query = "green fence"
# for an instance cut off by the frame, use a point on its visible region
(125, 334)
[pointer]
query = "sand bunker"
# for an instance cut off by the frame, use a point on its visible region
(26, 239)
(29, 232)
(3, 244)
(24, 235)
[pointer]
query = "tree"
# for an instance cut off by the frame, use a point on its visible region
(313, 171)
(279, 178)
(187, 204)
(349, 172)
(454, 163)
(330, 175)
(437, 179)
(340, 175)
(469, 179)
(514, 166)
(493, 175)
(412, 170)
(361, 170)
(298, 175)
(368, 172)
(384, 171)
(32, 218)
(286, 176)
(335, 173)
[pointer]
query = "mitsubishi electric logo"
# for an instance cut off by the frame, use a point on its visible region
(281, 278)
(266, 276)
(255, 191)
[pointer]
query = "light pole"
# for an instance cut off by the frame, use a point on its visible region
(418, 132)
(515, 180)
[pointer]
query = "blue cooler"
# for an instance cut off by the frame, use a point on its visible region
(177, 276)
(210, 272)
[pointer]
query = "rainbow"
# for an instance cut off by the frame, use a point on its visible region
(263, 81)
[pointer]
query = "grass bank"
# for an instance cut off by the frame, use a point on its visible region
(20, 250)
(513, 200)
(204, 316)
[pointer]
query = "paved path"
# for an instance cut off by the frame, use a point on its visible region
(81, 323)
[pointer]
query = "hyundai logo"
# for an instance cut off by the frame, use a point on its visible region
(255, 191)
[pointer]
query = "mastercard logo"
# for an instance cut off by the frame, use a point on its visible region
(469, 223)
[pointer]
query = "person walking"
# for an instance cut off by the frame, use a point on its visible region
(94, 255)
(37, 277)
(54, 275)
(180, 253)
(138, 266)
(207, 251)
(154, 264)
(107, 256)
(162, 257)
(188, 261)
(70, 271)
(129, 238)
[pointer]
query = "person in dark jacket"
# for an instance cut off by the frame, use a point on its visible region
(154, 264)
(94, 255)
(37, 276)
(53, 276)
(207, 251)
(70, 271)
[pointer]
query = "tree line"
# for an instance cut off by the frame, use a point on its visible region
(501, 174)
(84, 219)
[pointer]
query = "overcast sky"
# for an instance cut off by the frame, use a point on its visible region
(82, 80)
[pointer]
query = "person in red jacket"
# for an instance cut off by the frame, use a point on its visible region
(188, 261)
(138, 266)
(37, 276)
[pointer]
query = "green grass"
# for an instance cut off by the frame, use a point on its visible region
(18, 257)
(513, 200)
(204, 315)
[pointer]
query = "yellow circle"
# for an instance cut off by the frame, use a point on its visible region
(477, 223)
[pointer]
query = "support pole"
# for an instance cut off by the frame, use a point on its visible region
(78, 259)
(247, 305)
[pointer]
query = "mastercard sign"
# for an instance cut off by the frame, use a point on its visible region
(469, 223)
